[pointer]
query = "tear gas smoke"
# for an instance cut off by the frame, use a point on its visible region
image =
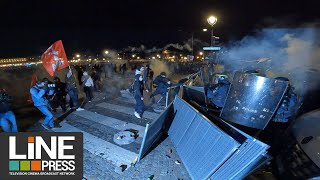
(291, 53)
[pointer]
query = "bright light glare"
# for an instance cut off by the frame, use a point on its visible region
(212, 20)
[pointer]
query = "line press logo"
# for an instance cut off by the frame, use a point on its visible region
(42, 154)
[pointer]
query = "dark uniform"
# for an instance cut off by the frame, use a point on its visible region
(218, 93)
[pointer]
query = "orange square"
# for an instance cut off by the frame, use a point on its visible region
(35, 165)
(30, 139)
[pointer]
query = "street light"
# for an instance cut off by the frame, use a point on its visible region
(106, 52)
(78, 55)
(200, 53)
(212, 20)
(205, 30)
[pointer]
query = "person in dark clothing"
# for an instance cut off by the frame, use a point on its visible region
(80, 74)
(124, 68)
(49, 94)
(161, 83)
(218, 92)
(138, 91)
(7, 117)
(72, 91)
(60, 93)
(96, 80)
(148, 77)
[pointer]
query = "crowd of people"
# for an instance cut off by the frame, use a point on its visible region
(47, 96)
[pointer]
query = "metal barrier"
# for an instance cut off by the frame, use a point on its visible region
(201, 145)
(208, 151)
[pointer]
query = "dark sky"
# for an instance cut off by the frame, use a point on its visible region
(29, 27)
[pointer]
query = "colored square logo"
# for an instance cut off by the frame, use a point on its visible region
(24, 165)
(35, 165)
(30, 139)
(14, 166)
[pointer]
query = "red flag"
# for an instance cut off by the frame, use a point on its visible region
(54, 58)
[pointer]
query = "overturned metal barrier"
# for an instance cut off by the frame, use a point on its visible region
(208, 151)
(156, 131)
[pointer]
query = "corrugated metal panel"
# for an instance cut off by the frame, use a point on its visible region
(241, 162)
(201, 145)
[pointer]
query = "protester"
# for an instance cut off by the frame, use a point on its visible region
(60, 93)
(162, 84)
(87, 85)
(72, 91)
(49, 94)
(96, 80)
(38, 97)
(7, 117)
(150, 78)
(80, 73)
(138, 92)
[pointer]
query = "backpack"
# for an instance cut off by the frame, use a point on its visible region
(131, 87)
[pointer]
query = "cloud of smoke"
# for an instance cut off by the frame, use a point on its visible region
(291, 53)
(112, 54)
(187, 46)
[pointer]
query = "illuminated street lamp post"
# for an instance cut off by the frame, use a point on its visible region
(212, 20)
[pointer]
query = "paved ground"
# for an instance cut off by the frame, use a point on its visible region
(103, 157)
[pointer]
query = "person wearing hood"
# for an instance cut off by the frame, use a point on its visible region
(72, 91)
(138, 91)
(37, 93)
(88, 84)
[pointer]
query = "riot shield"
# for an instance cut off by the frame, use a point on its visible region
(252, 100)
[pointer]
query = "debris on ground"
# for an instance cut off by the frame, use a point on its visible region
(134, 131)
(124, 137)
(168, 156)
(151, 177)
(123, 167)
(177, 162)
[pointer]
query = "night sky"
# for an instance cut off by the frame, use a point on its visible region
(29, 27)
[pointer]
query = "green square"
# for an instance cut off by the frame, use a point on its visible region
(13, 165)
(24, 165)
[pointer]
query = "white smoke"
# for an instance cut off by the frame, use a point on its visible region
(291, 53)
(187, 46)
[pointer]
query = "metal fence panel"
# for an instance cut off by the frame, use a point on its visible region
(243, 161)
(201, 145)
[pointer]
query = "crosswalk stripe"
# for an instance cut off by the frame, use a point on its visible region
(127, 110)
(110, 122)
(127, 100)
(102, 148)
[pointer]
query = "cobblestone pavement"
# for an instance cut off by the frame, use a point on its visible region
(105, 159)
